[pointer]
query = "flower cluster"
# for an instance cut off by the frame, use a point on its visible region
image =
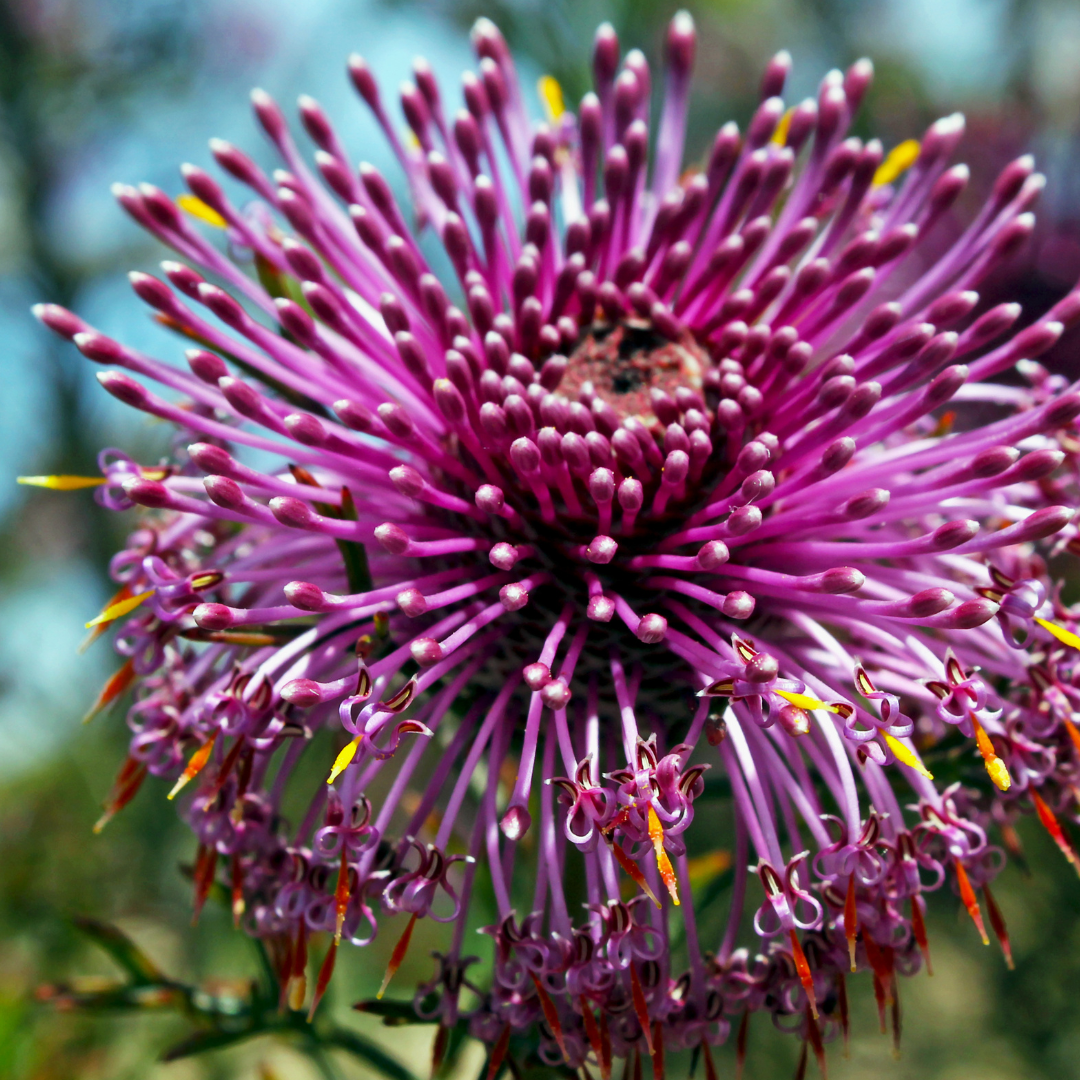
(684, 469)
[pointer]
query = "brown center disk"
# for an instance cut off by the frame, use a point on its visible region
(625, 361)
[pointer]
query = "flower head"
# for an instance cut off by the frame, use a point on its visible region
(681, 469)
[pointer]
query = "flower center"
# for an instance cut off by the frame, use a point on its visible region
(626, 361)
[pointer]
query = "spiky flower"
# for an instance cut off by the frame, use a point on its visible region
(672, 486)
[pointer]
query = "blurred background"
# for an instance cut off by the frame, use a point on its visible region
(95, 91)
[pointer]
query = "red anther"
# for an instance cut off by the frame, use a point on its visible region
(641, 1007)
(813, 1037)
(126, 785)
(341, 893)
(551, 1015)
(851, 928)
(397, 956)
(843, 1010)
(205, 867)
(227, 765)
(326, 972)
(658, 1051)
(997, 922)
(805, 975)
(918, 928)
(740, 1044)
(879, 966)
(116, 685)
(970, 900)
(498, 1053)
(631, 868)
(710, 1068)
(592, 1032)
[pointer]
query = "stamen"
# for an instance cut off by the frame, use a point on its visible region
(970, 900)
(994, 765)
(397, 956)
(344, 759)
(120, 608)
(851, 928)
(117, 684)
(61, 483)
(663, 863)
(805, 975)
(906, 755)
(194, 766)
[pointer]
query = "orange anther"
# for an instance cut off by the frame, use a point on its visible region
(970, 900)
(194, 766)
(805, 975)
(663, 863)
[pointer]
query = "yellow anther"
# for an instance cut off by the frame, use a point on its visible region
(907, 756)
(805, 701)
(551, 97)
(994, 765)
(61, 483)
(899, 160)
(663, 863)
(120, 608)
(779, 136)
(193, 205)
(1066, 637)
(343, 760)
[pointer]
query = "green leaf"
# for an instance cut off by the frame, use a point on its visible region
(214, 1039)
(142, 970)
(391, 1010)
(367, 1051)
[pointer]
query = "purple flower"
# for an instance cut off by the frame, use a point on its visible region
(682, 470)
